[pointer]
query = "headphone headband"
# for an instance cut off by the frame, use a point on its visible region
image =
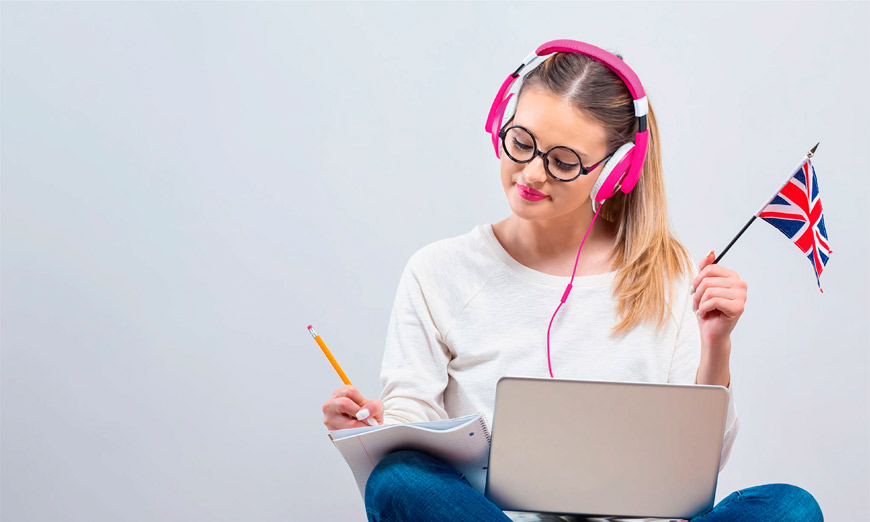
(609, 59)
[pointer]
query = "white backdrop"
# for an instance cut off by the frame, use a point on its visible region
(186, 186)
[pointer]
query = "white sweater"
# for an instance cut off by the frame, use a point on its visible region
(467, 313)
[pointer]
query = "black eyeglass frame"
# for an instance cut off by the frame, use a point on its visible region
(537, 152)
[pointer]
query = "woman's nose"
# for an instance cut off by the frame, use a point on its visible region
(534, 170)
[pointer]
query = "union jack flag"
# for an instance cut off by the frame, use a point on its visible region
(796, 211)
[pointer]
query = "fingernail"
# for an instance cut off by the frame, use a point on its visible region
(362, 414)
(710, 254)
(372, 422)
(692, 290)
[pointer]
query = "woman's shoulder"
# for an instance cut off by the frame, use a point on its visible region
(460, 253)
(449, 272)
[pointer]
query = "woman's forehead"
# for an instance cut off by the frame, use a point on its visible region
(554, 121)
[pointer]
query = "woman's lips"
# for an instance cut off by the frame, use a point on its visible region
(530, 194)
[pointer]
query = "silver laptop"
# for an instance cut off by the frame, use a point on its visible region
(605, 448)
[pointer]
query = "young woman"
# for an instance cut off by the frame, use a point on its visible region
(584, 224)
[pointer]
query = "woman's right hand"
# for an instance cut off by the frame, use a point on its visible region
(340, 411)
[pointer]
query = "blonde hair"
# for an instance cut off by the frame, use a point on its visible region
(647, 255)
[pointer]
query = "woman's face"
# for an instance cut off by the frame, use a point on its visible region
(553, 122)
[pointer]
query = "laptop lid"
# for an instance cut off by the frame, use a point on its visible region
(606, 448)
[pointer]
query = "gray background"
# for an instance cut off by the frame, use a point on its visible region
(186, 186)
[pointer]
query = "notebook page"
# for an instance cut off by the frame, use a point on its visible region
(464, 446)
(443, 424)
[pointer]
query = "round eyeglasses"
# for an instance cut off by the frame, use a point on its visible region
(521, 147)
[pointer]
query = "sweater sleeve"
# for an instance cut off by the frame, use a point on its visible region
(414, 366)
(687, 359)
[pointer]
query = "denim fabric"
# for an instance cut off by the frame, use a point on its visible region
(409, 485)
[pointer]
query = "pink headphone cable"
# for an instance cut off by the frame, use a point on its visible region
(568, 288)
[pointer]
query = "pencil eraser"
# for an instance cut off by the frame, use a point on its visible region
(310, 327)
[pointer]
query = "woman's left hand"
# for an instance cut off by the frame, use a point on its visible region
(719, 297)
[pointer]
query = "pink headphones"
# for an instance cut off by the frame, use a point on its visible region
(623, 169)
(620, 172)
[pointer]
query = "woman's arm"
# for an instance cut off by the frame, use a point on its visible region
(690, 365)
(719, 298)
(414, 367)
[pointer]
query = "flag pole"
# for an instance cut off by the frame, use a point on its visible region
(742, 230)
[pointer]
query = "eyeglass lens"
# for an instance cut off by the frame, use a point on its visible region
(562, 162)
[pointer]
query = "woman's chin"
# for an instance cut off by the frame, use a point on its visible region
(531, 210)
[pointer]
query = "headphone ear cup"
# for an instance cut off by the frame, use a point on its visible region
(613, 170)
(510, 109)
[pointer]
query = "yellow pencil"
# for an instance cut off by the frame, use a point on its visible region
(328, 355)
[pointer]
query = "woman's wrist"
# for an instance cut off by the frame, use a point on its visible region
(715, 364)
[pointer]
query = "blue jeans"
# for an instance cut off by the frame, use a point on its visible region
(415, 486)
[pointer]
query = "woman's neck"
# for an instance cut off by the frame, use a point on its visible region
(551, 246)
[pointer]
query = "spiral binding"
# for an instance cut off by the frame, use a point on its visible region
(482, 420)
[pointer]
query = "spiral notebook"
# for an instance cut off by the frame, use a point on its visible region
(462, 442)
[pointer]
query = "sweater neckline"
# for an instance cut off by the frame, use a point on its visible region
(488, 235)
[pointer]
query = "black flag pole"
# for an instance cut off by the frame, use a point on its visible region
(742, 230)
